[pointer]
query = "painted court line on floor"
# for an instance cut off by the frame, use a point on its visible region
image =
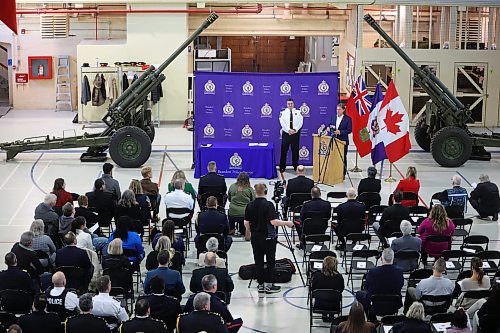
(10, 175)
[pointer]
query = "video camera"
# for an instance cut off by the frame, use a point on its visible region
(279, 190)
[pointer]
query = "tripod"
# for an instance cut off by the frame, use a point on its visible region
(324, 167)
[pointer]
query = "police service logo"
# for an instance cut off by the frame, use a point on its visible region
(209, 88)
(236, 161)
(246, 132)
(228, 110)
(323, 88)
(303, 153)
(285, 88)
(304, 110)
(266, 111)
(209, 131)
(247, 89)
(323, 148)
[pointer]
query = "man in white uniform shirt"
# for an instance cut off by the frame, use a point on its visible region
(291, 121)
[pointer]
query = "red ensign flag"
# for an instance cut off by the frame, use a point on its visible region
(8, 14)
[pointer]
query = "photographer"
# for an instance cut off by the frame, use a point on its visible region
(299, 184)
(261, 219)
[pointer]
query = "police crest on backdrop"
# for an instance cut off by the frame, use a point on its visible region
(323, 88)
(247, 89)
(246, 132)
(235, 161)
(303, 153)
(209, 131)
(285, 89)
(209, 88)
(228, 110)
(266, 111)
(305, 110)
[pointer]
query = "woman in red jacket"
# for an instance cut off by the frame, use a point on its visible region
(437, 223)
(62, 195)
(409, 184)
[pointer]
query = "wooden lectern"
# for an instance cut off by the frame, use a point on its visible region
(328, 166)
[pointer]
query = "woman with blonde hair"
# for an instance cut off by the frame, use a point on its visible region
(42, 242)
(115, 257)
(414, 322)
(239, 195)
(328, 277)
(409, 184)
(142, 199)
(188, 188)
(162, 244)
(128, 206)
(439, 224)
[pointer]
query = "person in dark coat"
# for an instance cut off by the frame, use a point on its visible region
(327, 278)
(414, 322)
(341, 130)
(213, 183)
(316, 207)
(39, 320)
(212, 221)
(14, 278)
(391, 218)
(85, 322)
(201, 319)
(115, 257)
(142, 322)
(224, 281)
(90, 216)
(102, 202)
(299, 184)
(73, 256)
(370, 183)
(354, 212)
(45, 212)
(112, 185)
(27, 259)
(485, 198)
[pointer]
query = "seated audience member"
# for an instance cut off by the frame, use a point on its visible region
(45, 212)
(414, 322)
(27, 259)
(485, 309)
(212, 221)
(163, 307)
(130, 239)
(201, 319)
(382, 280)
(39, 320)
(59, 299)
(103, 305)
(129, 207)
(83, 210)
(63, 197)
(67, 217)
(42, 242)
(454, 199)
(163, 244)
(225, 283)
(212, 245)
(239, 195)
(85, 321)
(102, 202)
(327, 278)
(406, 243)
(370, 183)
(151, 189)
(316, 207)
(354, 212)
(168, 229)
(409, 184)
(434, 285)
(485, 198)
(70, 255)
(209, 284)
(179, 199)
(212, 183)
(14, 278)
(459, 322)
(142, 322)
(391, 218)
(112, 185)
(14, 328)
(143, 201)
(115, 258)
(478, 281)
(86, 240)
(299, 184)
(188, 187)
(173, 280)
(356, 322)
(437, 223)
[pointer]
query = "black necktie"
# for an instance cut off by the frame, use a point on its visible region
(291, 119)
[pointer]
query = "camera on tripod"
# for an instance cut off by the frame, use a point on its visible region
(279, 190)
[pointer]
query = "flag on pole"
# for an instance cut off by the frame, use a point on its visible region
(378, 149)
(8, 14)
(393, 126)
(358, 108)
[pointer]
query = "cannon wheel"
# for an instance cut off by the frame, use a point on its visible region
(130, 147)
(451, 146)
(421, 136)
(150, 131)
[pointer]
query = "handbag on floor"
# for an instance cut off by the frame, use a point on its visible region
(284, 268)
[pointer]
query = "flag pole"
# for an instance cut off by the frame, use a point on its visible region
(390, 179)
(356, 168)
(381, 169)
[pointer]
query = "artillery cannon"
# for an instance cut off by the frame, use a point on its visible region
(442, 130)
(129, 131)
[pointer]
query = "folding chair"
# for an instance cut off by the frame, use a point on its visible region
(16, 301)
(383, 305)
(295, 200)
(221, 199)
(441, 318)
(182, 223)
(418, 275)
(392, 320)
(314, 234)
(360, 264)
(490, 261)
(375, 212)
(359, 238)
(434, 304)
(414, 256)
(369, 199)
(418, 211)
(474, 294)
(315, 262)
(432, 241)
(407, 196)
(76, 278)
(324, 302)
(474, 244)
(136, 265)
(7, 319)
(462, 229)
(455, 260)
(335, 198)
(122, 285)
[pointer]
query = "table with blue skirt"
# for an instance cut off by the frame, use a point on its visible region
(257, 159)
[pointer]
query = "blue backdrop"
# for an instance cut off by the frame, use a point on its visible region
(245, 107)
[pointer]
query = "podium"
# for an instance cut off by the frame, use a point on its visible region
(328, 160)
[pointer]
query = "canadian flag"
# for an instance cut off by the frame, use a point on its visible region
(392, 127)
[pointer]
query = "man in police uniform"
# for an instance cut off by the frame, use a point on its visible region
(201, 319)
(291, 121)
(59, 299)
(142, 322)
(212, 183)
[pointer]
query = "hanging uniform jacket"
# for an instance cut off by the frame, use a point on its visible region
(112, 89)
(86, 96)
(97, 98)
(156, 94)
(103, 86)
(125, 84)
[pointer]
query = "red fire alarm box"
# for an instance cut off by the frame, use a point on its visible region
(40, 68)
(22, 78)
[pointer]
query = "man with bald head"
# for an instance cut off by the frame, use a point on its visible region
(454, 199)
(299, 184)
(59, 299)
(225, 283)
(314, 208)
(350, 217)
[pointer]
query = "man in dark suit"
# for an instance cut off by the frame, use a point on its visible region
(225, 283)
(353, 212)
(70, 255)
(316, 207)
(27, 258)
(382, 280)
(299, 184)
(201, 319)
(91, 217)
(13, 277)
(212, 183)
(142, 322)
(485, 198)
(212, 221)
(39, 320)
(342, 127)
(85, 322)
(370, 183)
(391, 218)
(102, 202)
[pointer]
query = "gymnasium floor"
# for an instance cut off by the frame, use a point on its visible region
(24, 181)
